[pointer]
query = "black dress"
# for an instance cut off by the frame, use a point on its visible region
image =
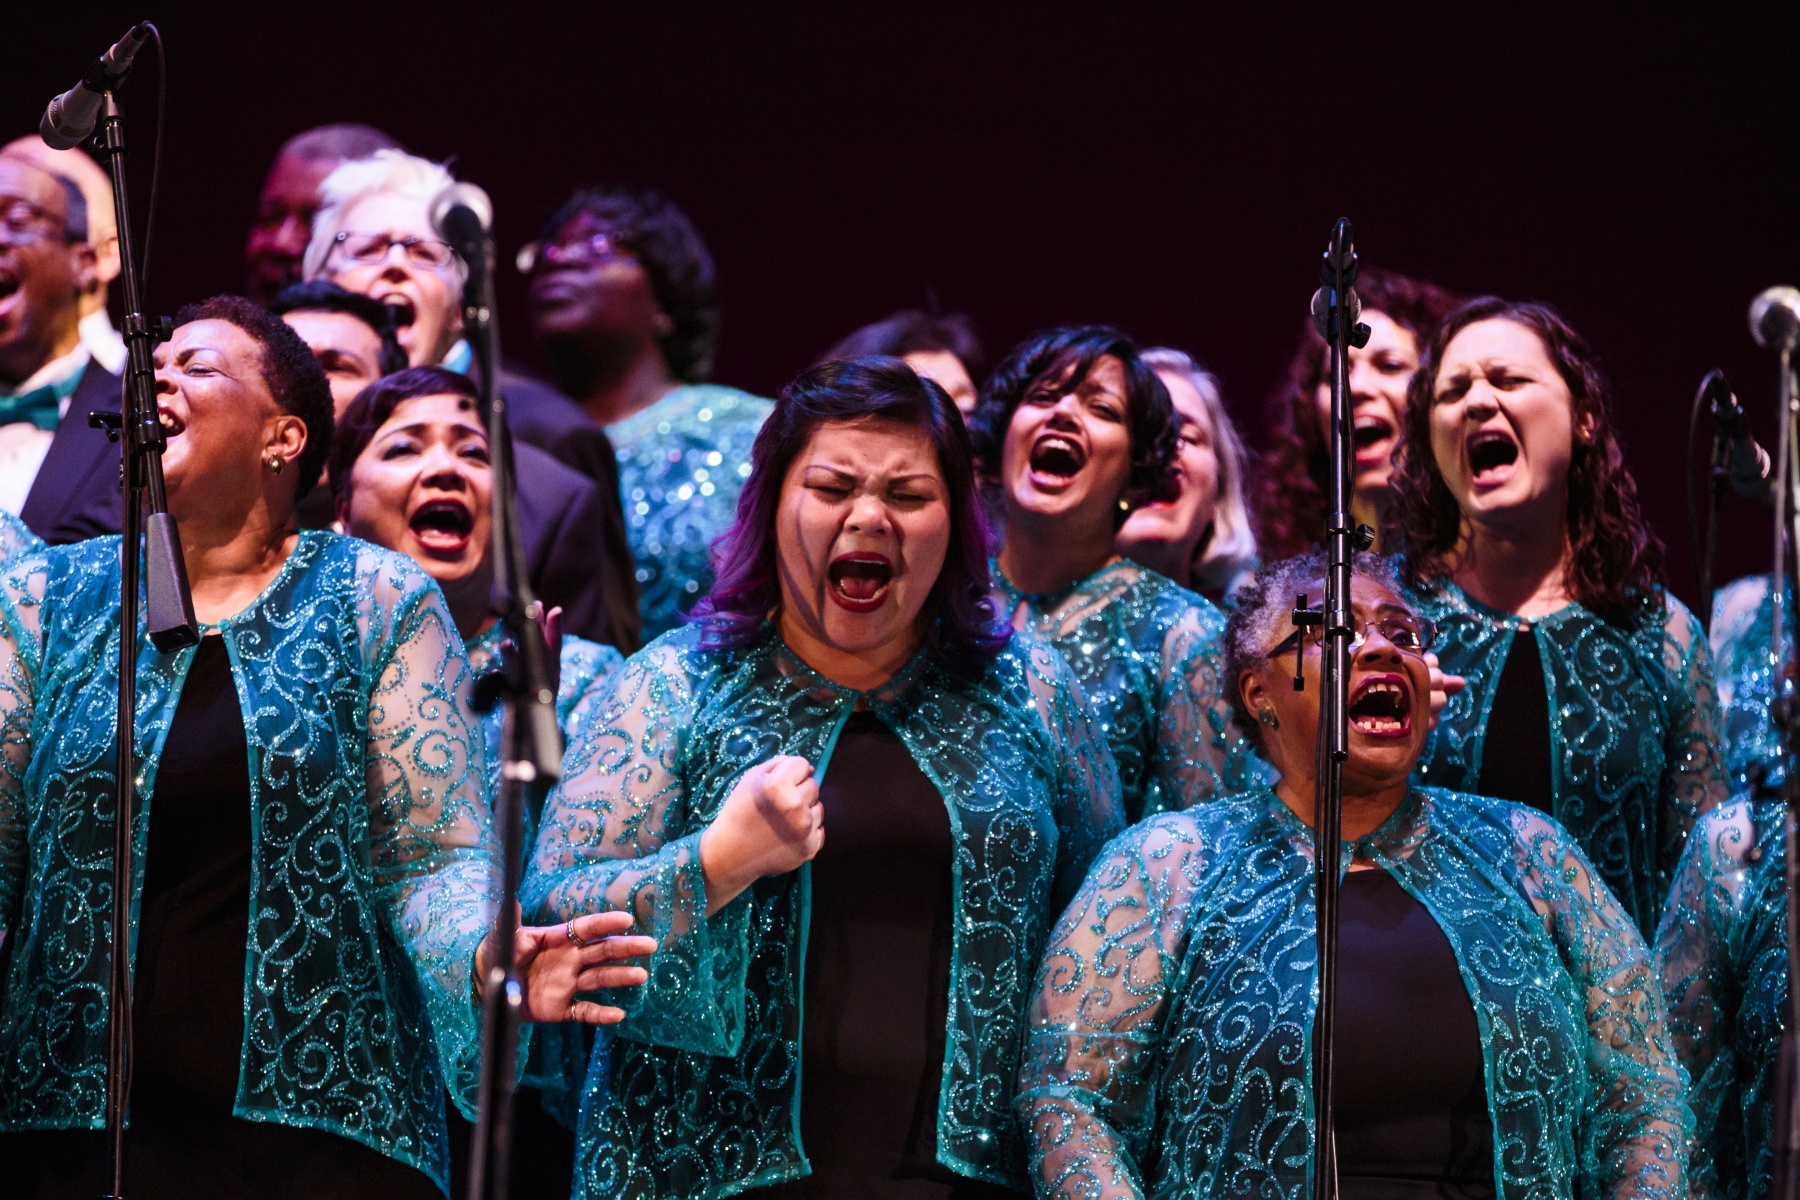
(1411, 1098)
(1515, 757)
(877, 982)
(188, 1003)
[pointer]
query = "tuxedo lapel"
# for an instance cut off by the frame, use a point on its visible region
(76, 492)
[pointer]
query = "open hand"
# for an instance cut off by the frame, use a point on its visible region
(555, 962)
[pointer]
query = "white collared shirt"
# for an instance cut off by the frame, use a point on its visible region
(22, 444)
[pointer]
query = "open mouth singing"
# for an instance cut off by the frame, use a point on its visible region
(860, 582)
(1381, 706)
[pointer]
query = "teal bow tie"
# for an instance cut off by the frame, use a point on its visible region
(41, 406)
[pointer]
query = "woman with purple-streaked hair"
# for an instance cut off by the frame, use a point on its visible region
(847, 675)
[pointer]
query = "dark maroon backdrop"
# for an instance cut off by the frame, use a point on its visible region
(1035, 164)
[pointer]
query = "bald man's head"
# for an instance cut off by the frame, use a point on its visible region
(290, 197)
(96, 191)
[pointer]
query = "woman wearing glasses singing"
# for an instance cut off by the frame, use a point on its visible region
(1591, 692)
(1499, 1030)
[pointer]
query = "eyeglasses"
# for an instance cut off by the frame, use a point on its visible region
(1411, 635)
(22, 222)
(370, 248)
(583, 252)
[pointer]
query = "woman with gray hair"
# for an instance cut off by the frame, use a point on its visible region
(1201, 538)
(1499, 1027)
(373, 235)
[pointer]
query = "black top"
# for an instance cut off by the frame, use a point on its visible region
(1515, 757)
(877, 980)
(1411, 1106)
(188, 1002)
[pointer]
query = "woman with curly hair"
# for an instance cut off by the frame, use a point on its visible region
(1294, 474)
(1074, 432)
(1515, 515)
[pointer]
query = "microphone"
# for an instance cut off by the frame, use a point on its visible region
(1341, 252)
(71, 117)
(1735, 452)
(461, 215)
(1775, 318)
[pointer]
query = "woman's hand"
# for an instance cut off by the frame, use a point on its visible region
(1442, 688)
(554, 962)
(770, 824)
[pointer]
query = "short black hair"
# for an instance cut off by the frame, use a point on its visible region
(293, 377)
(372, 407)
(322, 295)
(662, 238)
(1065, 355)
(913, 331)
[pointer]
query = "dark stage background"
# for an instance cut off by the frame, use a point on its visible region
(1035, 164)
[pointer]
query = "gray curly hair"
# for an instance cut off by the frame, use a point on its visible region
(1264, 610)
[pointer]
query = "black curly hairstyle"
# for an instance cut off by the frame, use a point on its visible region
(664, 241)
(1062, 358)
(293, 377)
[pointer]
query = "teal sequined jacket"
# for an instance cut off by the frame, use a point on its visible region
(682, 463)
(698, 1096)
(1722, 951)
(16, 539)
(1170, 1036)
(555, 1056)
(1634, 729)
(1149, 655)
(1743, 626)
(372, 876)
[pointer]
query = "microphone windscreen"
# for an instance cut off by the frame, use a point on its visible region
(1775, 318)
(464, 196)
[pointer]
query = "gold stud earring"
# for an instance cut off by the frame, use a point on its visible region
(1266, 716)
(276, 462)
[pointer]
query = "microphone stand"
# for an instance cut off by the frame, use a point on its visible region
(1335, 310)
(169, 616)
(1785, 1126)
(531, 740)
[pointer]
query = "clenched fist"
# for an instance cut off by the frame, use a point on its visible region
(770, 824)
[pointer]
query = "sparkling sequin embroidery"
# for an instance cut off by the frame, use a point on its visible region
(682, 463)
(1634, 729)
(1149, 655)
(372, 876)
(1722, 953)
(1170, 1034)
(1743, 626)
(698, 1095)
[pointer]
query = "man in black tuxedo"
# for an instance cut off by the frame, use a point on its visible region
(56, 472)
(353, 338)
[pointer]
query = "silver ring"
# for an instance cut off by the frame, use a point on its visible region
(573, 936)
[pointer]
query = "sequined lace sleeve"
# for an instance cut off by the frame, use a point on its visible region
(1199, 755)
(429, 831)
(1085, 1092)
(1694, 780)
(1635, 1143)
(1089, 812)
(19, 649)
(1693, 956)
(606, 844)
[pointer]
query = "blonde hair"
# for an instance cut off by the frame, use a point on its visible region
(1231, 550)
(386, 172)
